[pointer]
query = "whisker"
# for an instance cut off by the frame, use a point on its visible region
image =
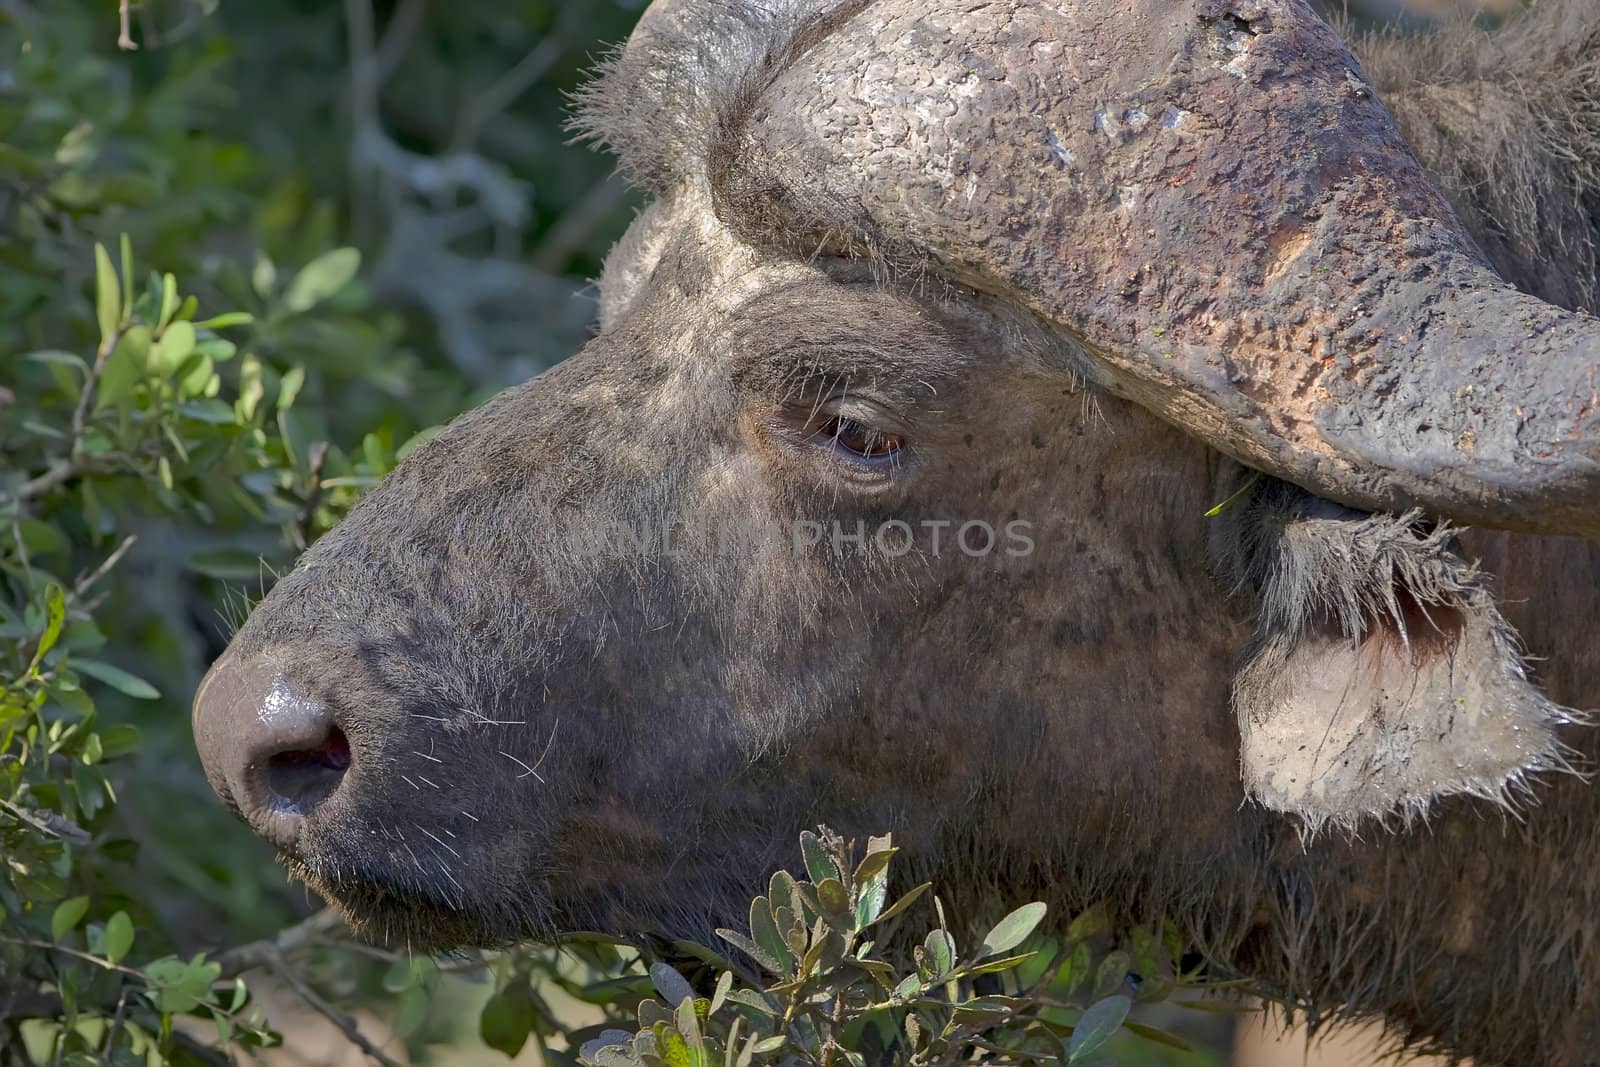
(524, 766)
(485, 720)
(440, 843)
(547, 746)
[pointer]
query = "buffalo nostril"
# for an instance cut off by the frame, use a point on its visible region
(270, 748)
(300, 779)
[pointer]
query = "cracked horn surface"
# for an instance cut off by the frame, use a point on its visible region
(1212, 202)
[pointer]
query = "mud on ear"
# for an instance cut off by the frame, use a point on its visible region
(1381, 676)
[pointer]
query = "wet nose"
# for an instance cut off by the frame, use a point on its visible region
(270, 750)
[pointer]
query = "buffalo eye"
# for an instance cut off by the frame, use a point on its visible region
(859, 440)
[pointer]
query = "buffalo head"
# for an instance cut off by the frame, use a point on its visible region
(881, 497)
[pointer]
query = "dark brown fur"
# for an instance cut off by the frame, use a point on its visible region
(553, 730)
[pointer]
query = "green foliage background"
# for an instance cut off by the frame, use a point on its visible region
(240, 150)
(241, 268)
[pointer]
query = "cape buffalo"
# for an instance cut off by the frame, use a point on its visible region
(887, 497)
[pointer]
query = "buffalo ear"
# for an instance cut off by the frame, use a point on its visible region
(1381, 676)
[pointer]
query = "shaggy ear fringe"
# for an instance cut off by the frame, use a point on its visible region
(1319, 571)
(1508, 123)
(687, 73)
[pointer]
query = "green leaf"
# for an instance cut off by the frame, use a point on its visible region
(225, 320)
(1003, 963)
(289, 387)
(42, 538)
(117, 678)
(872, 893)
(1160, 1037)
(1234, 498)
(910, 986)
(322, 278)
(1013, 930)
(217, 349)
(196, 380)
(1075, 970)
(118, 740)
(688, 1022)
(169, 301)
(177, 986)
(876, 861)
(781, 890)
(765, 932)
(125, 246)
(1219, 1007)
(508, 1017)
(125, 368)
(264, 276)
(118, 936)
(1111, 973)
(56, 357)
(941, 950)
(834, 899)
(67, 916)
(755, 1001)
(819, 865)
(251, 390)
(1091, 921)
(904, 902)
(55, 614)
(670, 984)
(107, 295)
(1095, 1027)
(176, 343)
(724, 987)
(212, 411)
(672, 1048)
(751, 949)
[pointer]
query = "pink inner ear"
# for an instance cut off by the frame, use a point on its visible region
(1420, 630)
(1396, 699)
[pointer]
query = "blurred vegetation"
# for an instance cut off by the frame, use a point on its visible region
(242, 266)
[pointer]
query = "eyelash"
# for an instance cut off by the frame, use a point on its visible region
(858, 441)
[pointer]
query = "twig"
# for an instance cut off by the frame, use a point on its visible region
(64, 470)
(306, 934)
(115, 1029)
(125, 39)
(345, 1023)
(66, 831)
(364, 118)
(397, 37)
(308, 511)
(51, 946)
(83, 584)
(58, 473)
(568, 235)
(505, 89)
(274, 954)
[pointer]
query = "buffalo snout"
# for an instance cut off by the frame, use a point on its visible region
(272, 751)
